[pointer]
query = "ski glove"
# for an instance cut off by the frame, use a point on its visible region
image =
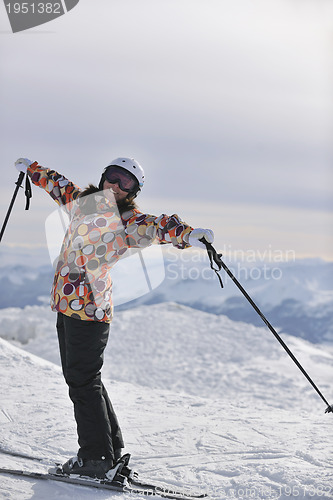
(199, 233)
(22, 164)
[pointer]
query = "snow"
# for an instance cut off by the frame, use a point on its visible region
(204, 402)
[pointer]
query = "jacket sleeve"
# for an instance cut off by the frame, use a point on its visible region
(61, 190)
(143, 229)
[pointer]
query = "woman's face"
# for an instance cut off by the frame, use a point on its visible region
(113, 191)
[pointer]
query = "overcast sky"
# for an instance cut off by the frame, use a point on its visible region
(226, 104)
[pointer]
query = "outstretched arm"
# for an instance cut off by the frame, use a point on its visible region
(143, 229)
(61, 190)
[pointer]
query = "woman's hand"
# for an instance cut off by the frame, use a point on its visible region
(199, 233)
(22, 164)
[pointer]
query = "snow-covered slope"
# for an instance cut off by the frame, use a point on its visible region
(238, 447)
(174, 347)
(204, 401)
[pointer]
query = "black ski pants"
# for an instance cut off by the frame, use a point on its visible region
(82, 345)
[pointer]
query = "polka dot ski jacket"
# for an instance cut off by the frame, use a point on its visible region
(94, 242)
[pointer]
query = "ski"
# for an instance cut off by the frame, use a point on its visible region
(164, 489)
(133, 481)
(122, 485)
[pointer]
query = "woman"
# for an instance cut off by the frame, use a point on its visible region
(104, 223)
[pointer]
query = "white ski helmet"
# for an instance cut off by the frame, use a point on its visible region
(131, 166)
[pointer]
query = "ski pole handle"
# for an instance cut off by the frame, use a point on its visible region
(18, 185)
(213, 257)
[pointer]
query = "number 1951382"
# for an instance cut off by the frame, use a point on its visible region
(34, 8)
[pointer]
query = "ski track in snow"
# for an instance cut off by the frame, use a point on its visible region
(203, 402)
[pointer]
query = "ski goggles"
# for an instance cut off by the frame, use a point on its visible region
(125, 180)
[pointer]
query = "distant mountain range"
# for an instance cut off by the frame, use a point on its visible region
(296, 297)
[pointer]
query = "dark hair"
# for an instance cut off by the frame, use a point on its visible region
(88, 205)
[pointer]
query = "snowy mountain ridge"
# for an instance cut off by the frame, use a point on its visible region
(296, 297)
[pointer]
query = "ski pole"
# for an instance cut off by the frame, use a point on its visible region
(27, 194)
(215, 257)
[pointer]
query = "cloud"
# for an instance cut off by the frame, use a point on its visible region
(220, 101)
